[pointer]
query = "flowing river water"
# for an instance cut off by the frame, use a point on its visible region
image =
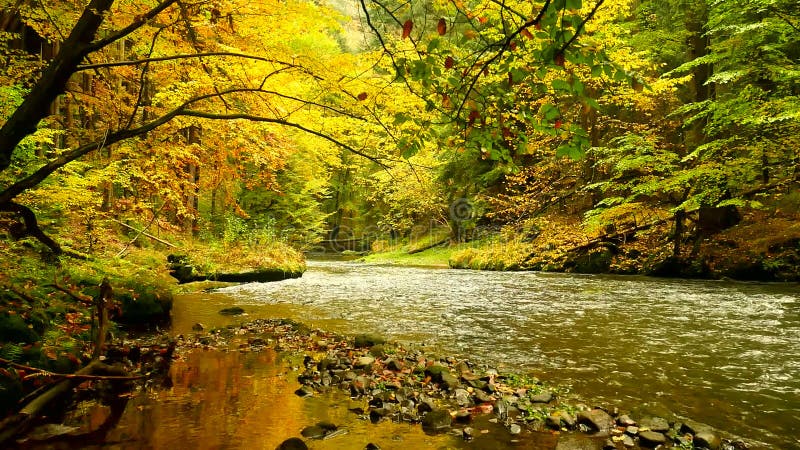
(723, 353)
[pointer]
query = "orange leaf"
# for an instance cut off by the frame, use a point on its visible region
(558, 124)
(446, 101)
(449, 62)
(441, 27)
(512, 45)
(473, 116)
(483, 20)
(407, 28)
(362, 96)
(559, 59)
(526, 33)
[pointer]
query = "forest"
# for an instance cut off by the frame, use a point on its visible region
(600, 136)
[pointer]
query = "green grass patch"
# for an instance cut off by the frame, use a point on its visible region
(433, 257)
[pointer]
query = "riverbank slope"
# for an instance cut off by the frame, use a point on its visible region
(761, 247)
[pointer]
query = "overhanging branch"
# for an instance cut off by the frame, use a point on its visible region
(206, 115)
(196, 55)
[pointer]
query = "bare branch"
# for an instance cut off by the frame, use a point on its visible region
(580, 27)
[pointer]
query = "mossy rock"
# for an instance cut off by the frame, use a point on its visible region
(144, 307)
(10, 394)
(592, 262)
(14, 329)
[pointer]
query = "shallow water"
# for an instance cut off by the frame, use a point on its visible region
(723, 353)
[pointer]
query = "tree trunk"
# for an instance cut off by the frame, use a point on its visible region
(677, 237)
(53, 81)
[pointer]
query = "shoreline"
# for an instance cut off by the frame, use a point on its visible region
(447, 395)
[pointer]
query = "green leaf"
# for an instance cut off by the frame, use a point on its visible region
(549, 112)
(561, 85)
(574, 4)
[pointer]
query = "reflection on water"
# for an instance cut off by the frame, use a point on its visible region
(246, 401)
(727, 354)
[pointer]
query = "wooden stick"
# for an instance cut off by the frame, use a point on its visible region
(145, 234)
(155, 215)
(76, 375)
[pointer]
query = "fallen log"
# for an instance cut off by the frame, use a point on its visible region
(255, 276)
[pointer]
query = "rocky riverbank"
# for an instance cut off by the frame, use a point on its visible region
(390, 382)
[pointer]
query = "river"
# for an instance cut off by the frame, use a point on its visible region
(723, 353)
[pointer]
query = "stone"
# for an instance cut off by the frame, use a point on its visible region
(515, 428)
(426, 404)
(232, 311)
(349, 375)
(377, 351)
(468, 433)
(372, 446)
(652, 438)
(476, 383)
(313, 432)
(449, 381)
(376, 414)
(436, 421)
(553, 421)
(707, 439)
(483, 397)
(597, 420)
(463, 398)
(364, 362)
(692, 427)
(436, 371)
(198, 327)
(395, 365)
(292, 444)
(626, 421)
(628, 441)
(657, 424)
(633, 431)
(609, 445)
(304, 391)
(463, 417)
(544, 397)
(501, 409)
(368, 340)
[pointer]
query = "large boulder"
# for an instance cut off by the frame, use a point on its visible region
(597, 420)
